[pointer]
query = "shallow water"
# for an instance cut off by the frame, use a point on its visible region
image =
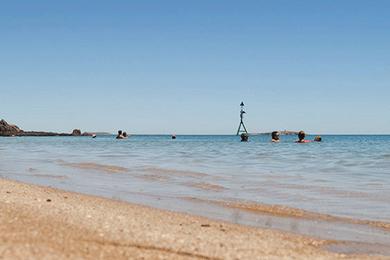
(345, 176)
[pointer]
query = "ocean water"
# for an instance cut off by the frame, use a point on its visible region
(345, 175)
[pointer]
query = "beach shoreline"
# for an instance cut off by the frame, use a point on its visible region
(39, 221)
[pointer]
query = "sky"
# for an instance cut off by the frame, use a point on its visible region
(162, 67)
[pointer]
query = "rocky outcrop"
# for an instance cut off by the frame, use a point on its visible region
(9, 130)
(76, 132)
(39, 133)
(12, 130)
(87, 134)
(284, 132)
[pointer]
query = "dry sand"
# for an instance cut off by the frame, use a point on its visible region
(44, 223)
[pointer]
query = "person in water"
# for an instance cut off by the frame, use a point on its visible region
(275, 137)
(120, 135)
(124, 135)
(244, 137)
(301, 137)
(318, 139)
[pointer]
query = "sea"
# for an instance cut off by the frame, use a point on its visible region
(345, 176)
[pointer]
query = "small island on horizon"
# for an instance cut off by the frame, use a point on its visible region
(283, 132)
(7, 129)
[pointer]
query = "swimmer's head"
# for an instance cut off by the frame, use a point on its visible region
(301, 135)
(275, 135)
(317, 138)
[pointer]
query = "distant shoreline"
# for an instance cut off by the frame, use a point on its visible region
(178, 135)
(13, 130)
(7, 129)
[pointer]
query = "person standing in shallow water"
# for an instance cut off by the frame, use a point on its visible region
(275, 137)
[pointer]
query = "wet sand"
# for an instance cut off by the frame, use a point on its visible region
(205, 186)
(95, 167)
(40, 222)
(284, 211)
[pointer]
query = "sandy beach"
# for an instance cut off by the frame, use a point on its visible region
(40, 222)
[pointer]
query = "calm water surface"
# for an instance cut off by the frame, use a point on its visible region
(344, 175)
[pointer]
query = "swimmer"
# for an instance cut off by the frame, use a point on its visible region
(120, 135)
(301, 137)
(244, 137)
(318, 139)
(275, 137)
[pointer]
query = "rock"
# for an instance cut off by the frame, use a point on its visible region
(12, 130)
(39, 133)
(87, 134)
(9, 130)
(76, 132)
(282, 132)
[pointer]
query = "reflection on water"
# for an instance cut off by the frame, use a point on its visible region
(346, 176)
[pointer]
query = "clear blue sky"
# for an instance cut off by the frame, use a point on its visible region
(184, 66)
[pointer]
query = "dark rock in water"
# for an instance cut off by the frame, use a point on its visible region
(76, 132)
(9, 130)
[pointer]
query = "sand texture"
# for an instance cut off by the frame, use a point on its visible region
(44, 223)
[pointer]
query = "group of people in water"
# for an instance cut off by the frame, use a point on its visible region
(275, 137)
(121, 135)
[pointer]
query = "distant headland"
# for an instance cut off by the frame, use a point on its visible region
(13, 130)
(7, 129)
